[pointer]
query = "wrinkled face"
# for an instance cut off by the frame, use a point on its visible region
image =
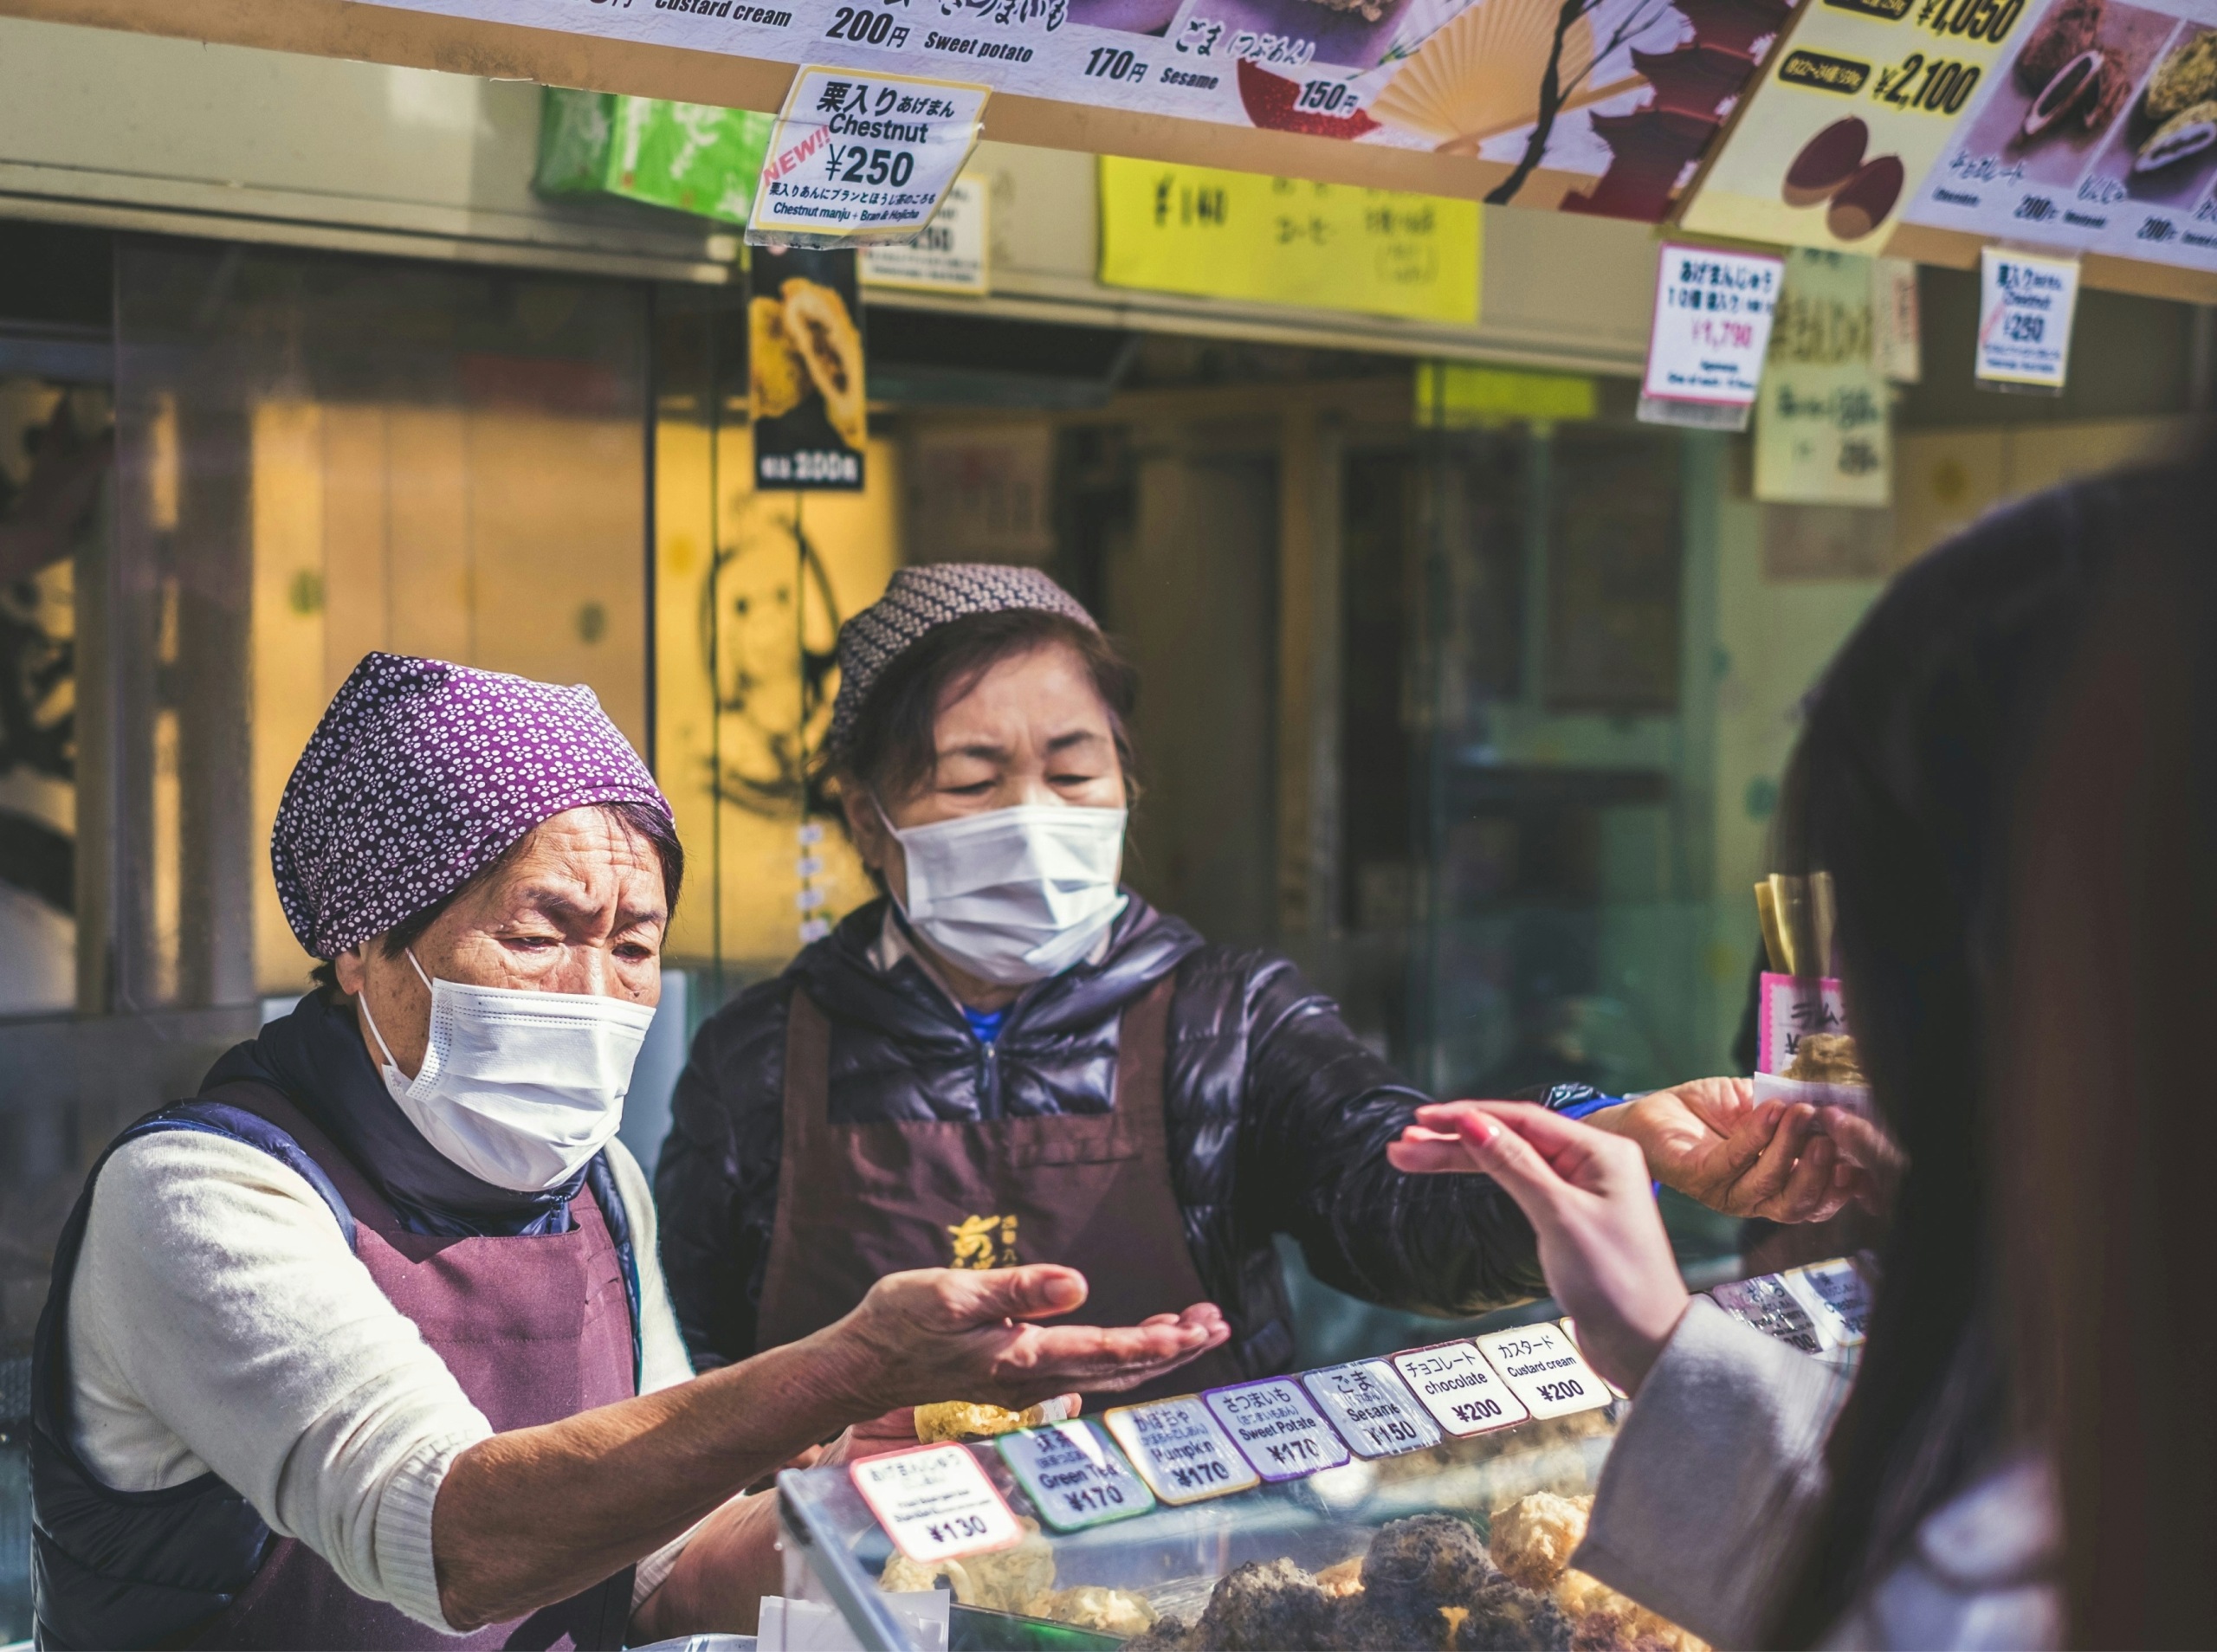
(1032, 730)
(577, 907)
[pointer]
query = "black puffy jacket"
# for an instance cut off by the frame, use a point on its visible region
(1278, 1120)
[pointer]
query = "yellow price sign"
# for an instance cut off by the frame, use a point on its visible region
(1172, 228)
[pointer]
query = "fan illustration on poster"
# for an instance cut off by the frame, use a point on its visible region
(2100, 135)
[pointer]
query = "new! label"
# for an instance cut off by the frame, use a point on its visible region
(1543, 1368)
(1180, 1450)
(1372, 1407)
(1459, 1389)
(936, 1503)
(1280, 1432)
(1073, 1477)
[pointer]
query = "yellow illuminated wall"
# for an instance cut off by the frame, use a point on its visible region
(735, 602)
(495, 537)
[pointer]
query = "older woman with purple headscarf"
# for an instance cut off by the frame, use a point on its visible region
(366, 1345)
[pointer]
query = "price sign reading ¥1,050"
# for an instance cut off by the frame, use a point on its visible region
(1073, 1477)
(1543, 1368)
(859, 157)
(1180, 1450)
(936, 1503)
(1374, 1411)
(1459, 1389)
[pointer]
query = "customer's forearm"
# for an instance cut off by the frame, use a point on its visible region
(535, 1515)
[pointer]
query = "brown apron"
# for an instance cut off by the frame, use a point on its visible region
(1089, 1190)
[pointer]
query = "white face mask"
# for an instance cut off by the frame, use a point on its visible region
(519, 1087)
(1015, 895)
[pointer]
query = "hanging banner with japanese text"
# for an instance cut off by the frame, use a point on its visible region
(1282, 240)
(1589, 106)
(1822, 432)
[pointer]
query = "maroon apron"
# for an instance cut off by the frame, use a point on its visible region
(1089, 1190)
(535, 1328)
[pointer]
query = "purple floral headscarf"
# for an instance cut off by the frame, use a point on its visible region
(420, 775)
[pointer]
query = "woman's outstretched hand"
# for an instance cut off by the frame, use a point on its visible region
(1586, 1191)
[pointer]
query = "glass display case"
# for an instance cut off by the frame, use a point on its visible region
(1429, 1499)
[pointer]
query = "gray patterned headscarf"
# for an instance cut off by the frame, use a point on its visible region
(420, 775)
(921, 599)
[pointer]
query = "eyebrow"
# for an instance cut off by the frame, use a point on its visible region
(991, 752)
(550, 898)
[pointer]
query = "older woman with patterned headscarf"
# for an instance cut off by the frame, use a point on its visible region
(367, 1345)
(1012, 1057)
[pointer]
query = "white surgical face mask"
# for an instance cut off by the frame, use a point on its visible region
(1015, 895)
(518, 1088)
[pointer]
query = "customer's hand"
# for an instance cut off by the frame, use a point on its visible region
(943, 1333)
(1709, 1140)
(1602, 1246)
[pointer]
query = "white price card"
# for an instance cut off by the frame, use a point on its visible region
(1837, 1300)
(1459, 1389)
(860, 157)
(949, 254)
(1544, 1369)
(1766, 1304)
(936, 1503)
(1372, 1407)
(1073, 1476)
(1278, 1428)
(1713, 312)
(1180, 1450)
(2025, 305)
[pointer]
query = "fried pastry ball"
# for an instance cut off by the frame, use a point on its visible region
(1532, 1537)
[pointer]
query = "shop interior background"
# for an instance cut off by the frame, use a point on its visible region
(1484, 726)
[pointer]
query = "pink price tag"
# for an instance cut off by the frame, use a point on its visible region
(1790, 1007)
(936, 1503)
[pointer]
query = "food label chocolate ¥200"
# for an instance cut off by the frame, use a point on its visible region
(1180, 1450)
(1073, 1476)
(1372, 1407)
(1459, 1389)
(1280, 1432)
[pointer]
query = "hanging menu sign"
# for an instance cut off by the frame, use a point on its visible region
(862, 158)
(1372, 1407)
(1180, 1450)
(1713, 312)
(2097, 132)
(1073, 1476)
(1543, 1368)
(1460, 1389)
(2025, 304)
(936, 1503)
(1277, 1428)
(1861, 100)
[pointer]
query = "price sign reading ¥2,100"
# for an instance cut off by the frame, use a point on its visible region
(1282, 1433)
(1544, 1369)
(859, 157)
(1459, 1389)
(936, 1503)
(1073, 1477)
(1372, 1407)
(1180, 1450)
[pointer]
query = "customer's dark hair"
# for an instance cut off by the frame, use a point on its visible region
(892, 747)
(2104, 1053)
(1903, 786)
(639, 820)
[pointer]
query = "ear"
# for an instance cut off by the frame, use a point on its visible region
(351, 971)
(864, 825)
